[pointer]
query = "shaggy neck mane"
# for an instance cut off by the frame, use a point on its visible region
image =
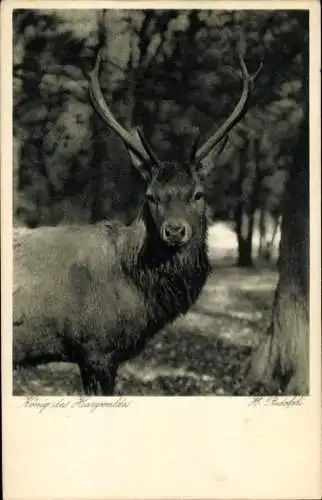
(170, 278)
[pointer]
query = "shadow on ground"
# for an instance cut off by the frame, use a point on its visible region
(203, 353)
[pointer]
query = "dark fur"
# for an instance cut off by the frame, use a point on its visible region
(94, 295)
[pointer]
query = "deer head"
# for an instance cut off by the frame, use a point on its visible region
(174, 193)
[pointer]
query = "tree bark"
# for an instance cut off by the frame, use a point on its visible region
(281, 362)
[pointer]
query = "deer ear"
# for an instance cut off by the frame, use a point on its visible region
(209, 162)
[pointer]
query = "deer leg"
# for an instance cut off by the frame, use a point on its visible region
(107, 378)
(98, 376)
(90, 383)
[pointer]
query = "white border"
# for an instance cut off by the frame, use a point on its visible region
(201, 447)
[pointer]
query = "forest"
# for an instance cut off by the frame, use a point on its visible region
(175, 74)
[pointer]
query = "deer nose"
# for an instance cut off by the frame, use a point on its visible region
(175, 231)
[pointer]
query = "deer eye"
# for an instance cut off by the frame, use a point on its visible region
(151, 198)
(198, 195)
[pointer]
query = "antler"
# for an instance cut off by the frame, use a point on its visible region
(102, 108)
(235, 116)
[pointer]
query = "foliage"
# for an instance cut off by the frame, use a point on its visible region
(172, 72)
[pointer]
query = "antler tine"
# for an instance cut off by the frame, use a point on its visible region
(106, 114)
(194, 147)
(235, 116)
(148, 148)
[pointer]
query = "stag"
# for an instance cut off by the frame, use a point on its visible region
(94, 295)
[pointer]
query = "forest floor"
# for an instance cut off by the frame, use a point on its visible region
(202, 353)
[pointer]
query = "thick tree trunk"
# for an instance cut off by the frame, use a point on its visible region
(282, 359)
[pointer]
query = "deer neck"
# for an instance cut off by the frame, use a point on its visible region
(169, 278)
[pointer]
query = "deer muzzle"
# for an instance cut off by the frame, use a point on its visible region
(175, 232)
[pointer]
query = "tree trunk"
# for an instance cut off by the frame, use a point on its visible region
(263, 232)
(281, 363)
(244, 238)
(269, 226)
(247, 202)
